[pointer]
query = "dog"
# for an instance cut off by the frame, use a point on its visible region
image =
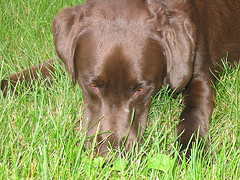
(123, 52)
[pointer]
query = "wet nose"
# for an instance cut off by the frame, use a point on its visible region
(111, 145)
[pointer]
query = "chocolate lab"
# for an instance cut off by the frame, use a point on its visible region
(121, 52)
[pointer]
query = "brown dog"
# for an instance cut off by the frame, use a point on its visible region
(121, 52)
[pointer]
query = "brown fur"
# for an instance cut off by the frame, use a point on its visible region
(121, 52)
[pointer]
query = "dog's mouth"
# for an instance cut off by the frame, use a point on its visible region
(110, 144)
(111, 148)
(111, 136)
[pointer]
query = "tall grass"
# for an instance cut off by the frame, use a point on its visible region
(39, 129)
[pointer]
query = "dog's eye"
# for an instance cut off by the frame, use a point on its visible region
(139, 90)
(93, 85)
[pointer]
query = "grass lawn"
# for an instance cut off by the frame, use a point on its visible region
(39, 129)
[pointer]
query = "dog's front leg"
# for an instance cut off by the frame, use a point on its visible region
(195, 118)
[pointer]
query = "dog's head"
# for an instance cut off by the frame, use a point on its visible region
(121, 53)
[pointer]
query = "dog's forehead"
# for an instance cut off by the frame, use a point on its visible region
(130, 36)
(126, 50)
(114, 51)
(130, 39)
(111, 9)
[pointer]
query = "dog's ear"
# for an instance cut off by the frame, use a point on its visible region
(178, 37)
(67, 27)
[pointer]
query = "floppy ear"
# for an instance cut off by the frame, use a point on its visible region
(67, 26)
(178, 37)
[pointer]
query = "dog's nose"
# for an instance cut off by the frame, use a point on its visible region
(110, 146)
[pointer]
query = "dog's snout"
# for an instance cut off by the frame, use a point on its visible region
(112, 145)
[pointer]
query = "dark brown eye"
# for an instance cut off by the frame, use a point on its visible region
(139, 90)
(93, 85)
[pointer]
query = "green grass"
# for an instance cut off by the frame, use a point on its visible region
(39, 137)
